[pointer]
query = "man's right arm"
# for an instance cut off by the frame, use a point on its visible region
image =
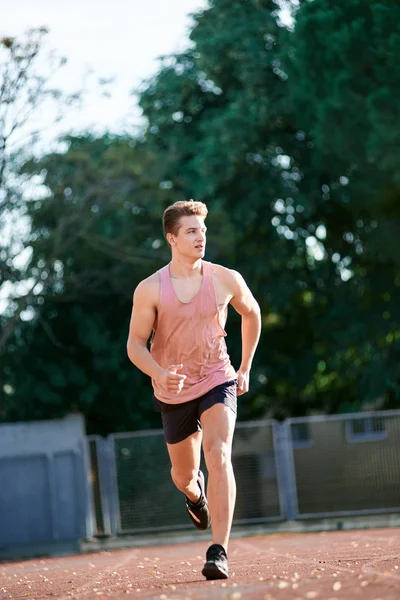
(142, 322)
(144, 312)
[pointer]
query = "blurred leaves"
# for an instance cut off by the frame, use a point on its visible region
(290, 137)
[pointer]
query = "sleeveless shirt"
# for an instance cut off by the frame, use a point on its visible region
(190, 333)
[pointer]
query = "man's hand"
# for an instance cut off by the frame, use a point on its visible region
(243, 382)
(171, 380)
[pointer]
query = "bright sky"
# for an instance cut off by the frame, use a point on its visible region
(119, 38)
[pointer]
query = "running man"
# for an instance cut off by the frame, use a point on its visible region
(184, 307)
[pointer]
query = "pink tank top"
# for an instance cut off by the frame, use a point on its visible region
(190, 333)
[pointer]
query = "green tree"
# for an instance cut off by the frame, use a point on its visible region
(26, 94)
(221, 115)
(344, 82)
(95, 234)
(227, 123)
(238, 134)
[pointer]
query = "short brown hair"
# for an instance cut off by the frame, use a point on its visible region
(183, 208)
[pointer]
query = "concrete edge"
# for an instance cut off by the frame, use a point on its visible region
(239, 531)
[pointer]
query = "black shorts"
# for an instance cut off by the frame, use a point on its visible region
(181, 420)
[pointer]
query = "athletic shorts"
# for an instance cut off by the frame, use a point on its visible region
(182, 420)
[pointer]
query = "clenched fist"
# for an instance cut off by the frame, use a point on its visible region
(171, 380)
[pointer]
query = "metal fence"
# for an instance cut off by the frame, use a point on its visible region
(300, 468)
(345, 464)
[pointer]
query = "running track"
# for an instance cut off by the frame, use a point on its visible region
(342, 565)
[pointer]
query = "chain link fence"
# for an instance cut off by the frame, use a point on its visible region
(301, 468)
(346, 465)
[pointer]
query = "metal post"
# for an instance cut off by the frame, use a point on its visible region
(286, 473)
(112, 487)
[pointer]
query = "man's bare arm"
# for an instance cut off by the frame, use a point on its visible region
(142, 322)
(246, 305)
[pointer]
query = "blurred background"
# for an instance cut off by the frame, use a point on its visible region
(283, 117)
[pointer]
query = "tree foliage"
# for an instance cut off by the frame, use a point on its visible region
(222, 114)
(344, 81)
(25, 94)
(290, 137)
(93, 237)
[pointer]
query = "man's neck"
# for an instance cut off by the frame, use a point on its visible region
(182, 269)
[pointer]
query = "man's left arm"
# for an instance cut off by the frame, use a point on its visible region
(246, 305)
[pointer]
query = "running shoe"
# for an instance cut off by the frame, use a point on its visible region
(198, 511)
(216, 566)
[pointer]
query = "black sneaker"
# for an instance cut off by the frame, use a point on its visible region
(216, 566)
(198, 511)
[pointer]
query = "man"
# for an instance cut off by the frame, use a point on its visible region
(184, 305)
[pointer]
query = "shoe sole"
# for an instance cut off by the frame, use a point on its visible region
(193, 518)
(202, 482)
(212, 572)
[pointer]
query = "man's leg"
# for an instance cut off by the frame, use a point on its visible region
(182, 432)
(218, 424)
(185, 461)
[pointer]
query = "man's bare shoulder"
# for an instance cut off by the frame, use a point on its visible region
(148, 289)
(228, 277)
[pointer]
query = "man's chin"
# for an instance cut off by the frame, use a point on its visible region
(196, 255)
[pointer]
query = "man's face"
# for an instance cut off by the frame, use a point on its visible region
(190, 240)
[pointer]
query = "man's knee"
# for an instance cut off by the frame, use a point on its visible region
(218, 455)
(183, 479)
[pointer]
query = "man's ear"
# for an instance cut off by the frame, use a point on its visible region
(170, 239)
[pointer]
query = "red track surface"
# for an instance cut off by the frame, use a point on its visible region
(345, 565)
